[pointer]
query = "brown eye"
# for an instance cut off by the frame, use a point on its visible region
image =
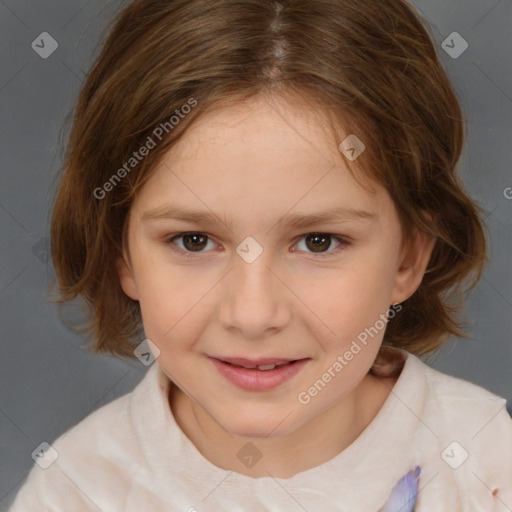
(318, 242)
(321, 245)
(195, 241)
(190, 242)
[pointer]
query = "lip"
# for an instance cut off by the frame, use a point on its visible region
(259, 380)
(242, 361)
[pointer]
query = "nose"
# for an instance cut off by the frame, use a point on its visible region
(255, 301)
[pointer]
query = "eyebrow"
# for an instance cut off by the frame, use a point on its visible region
(296, 220)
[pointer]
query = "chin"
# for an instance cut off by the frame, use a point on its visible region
(254, 425)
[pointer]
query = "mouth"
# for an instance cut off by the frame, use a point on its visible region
(259, 375)
(259, 364)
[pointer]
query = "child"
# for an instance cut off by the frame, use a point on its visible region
(266, 191)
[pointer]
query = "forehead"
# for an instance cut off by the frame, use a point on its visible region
(274, 124)
(259, 156)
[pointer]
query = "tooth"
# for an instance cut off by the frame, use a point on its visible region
(267, 367)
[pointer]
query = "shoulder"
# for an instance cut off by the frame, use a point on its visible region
(468, 411)
(53, 483)
(465, 409)
(475, 412)
(99, 451)
(453, 397)
(464, 439)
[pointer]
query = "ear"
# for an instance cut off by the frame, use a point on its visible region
(413, 263)
(126, 279)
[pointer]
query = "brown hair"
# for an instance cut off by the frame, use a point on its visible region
(373, 65)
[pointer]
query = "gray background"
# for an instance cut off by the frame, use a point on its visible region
(48, 382)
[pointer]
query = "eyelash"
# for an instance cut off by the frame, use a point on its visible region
(190, 254)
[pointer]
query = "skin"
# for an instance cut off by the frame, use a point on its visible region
(251, 164)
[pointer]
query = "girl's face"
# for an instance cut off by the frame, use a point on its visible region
(252, 185)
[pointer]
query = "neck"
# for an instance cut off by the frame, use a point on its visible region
(284, 456)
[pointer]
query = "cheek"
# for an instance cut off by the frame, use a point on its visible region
(350, 301)
(174, 304)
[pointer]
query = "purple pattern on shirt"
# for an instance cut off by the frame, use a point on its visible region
(404, 494)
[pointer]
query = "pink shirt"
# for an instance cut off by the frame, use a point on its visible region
(131, 456)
